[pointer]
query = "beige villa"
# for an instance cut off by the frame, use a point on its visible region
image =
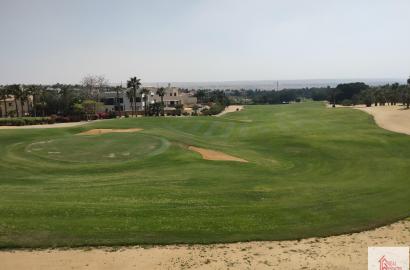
(8, 107)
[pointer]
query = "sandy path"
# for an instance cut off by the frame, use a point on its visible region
(393, 118)
(335, 252)
(229, 109)
(108, 130)
(58, 125)
(214, 155)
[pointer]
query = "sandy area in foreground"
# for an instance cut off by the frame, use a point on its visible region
(229, 109)
(58, 125)
(335, 252)
(214, 155)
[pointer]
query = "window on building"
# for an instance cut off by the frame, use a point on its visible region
(175, 94)
(108, 101)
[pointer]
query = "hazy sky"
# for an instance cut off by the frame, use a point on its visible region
(48, 41)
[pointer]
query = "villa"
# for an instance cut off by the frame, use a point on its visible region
(8, 107)
(118, 100)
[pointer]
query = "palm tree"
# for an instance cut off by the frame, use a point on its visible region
(161, 93)
(37, 91)
(24, 99)
(135, 84)
(408, 94)
(144, 94)
(4, 94)
(131, 97)
(17, 93)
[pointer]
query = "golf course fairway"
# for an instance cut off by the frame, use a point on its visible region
(310, 171)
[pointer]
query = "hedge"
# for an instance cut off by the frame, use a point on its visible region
(24, 121)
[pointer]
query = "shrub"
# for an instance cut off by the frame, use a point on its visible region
(22, 121)
(214, 109)
(347, 102)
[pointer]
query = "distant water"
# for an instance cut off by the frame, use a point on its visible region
(273, 84)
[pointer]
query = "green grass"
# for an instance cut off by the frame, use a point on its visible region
(312, 171)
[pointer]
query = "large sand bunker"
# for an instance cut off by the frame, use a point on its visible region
(105, 131)
(231, 108)
(335, 252)
(214, 155)
(393, 118)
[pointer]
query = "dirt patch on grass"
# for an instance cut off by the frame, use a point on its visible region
(336, 252)
(214, 155)
(106, 131)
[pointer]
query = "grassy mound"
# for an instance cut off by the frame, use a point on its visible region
(312, 171)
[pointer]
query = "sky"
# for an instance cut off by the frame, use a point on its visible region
(50, 41)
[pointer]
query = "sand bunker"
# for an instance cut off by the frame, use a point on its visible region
(105, 131)
(231, 108)
(394, 118)
(335, 252)
(214, 155)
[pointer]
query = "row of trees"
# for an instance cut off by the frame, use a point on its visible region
(360, 93)
(346, 94)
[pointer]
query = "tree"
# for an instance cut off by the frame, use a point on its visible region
(17, 92)
(78, 109)
(24, 99)
(408, 94)
(90, 107)
(161, 94)
(155, 109)
(101, 83)
(135, 84)
(117, 99)
(4, 94)
(179, 108)
(367, 97)
(90, 83)
(131, 97)
(37, 93)
(348, 90)
(195, 108)
(144, 94)
(333, 93)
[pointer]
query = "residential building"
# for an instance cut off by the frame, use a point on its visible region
(118, 100)
(22, 107)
